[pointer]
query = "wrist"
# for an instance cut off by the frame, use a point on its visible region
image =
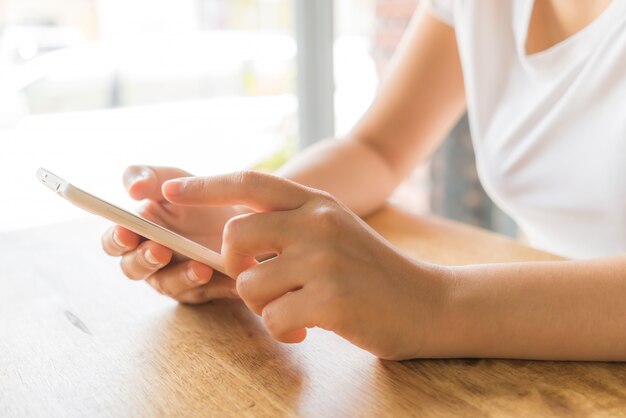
(434, 305)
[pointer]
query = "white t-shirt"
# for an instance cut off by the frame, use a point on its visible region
(549, 129)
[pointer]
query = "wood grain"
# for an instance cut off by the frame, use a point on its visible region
(78, 339)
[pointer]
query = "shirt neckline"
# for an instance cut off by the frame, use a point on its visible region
(570, 51)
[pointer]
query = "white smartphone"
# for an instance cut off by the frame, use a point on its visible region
(137, 224)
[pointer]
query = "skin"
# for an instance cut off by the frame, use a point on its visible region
(332, 271)
(554, 21)
(185, 280)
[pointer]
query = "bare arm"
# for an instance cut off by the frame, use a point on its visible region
(351, 281)
(561, 310)
(419, 100)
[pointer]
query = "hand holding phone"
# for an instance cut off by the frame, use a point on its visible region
(128, 220)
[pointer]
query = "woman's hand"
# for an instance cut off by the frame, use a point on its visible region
(331, 270)
(184, 280)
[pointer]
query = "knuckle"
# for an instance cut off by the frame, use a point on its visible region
(195, 185)
(232, 229)
(326, 218)
(325, 197)
(248, 178)
(245, 286)
(236, 228)
(199, 184)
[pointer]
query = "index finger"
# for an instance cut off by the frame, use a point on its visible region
(144, 182)
(259, 191)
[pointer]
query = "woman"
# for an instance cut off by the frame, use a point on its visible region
(544, 84)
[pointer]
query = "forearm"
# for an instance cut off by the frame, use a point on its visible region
(418, 102)
(564, 310)
(350, 170)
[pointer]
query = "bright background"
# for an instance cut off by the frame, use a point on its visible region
(88, 87)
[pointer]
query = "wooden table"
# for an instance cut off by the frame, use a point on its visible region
(78, 339)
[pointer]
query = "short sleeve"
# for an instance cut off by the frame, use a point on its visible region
(442, 10)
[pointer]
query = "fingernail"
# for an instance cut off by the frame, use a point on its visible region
(117, 241)
(150, 258)
(173, 187)
(191, 274)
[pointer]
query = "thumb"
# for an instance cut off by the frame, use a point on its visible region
(144, 182)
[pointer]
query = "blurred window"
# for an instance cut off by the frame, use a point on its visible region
(88, 87)
(356, 77)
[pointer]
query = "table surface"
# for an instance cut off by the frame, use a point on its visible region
(78, 339)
